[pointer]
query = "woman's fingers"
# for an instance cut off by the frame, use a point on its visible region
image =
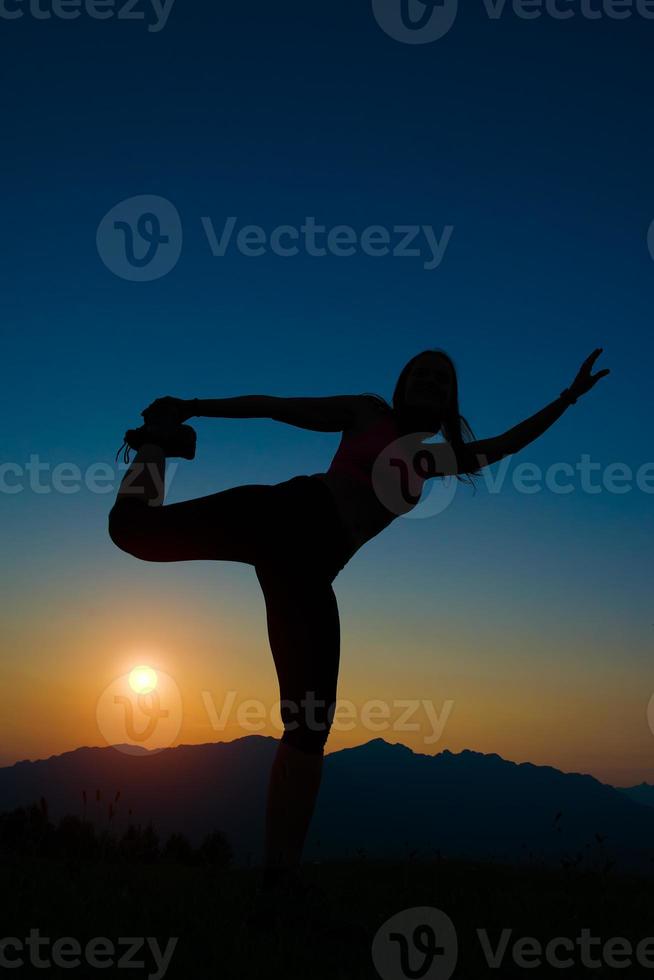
(158, 403)
(586, 367)
(590, 360)
(585, 380)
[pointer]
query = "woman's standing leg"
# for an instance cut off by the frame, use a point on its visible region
(295, 779)
(304, 633)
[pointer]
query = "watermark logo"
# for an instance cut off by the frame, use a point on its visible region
(140, 239)
(650, 240)
(650, 714)
(156, 12)
(140, 710)
(42, 477)
(404, 466)
(424, 21)
(416, 943)
(341, 241)
(401, 470)
(422, 943)
(375, 715)
(415, 21)
(98, 953)
(398, 477)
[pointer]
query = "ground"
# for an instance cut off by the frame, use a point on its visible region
(205, 907)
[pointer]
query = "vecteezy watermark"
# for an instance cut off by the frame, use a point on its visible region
(39, 476)
(403, 468)
(400, 471)
(343, 241)
(563, 952)
(140, 710)
(140, 239)
(425, 21)
(422, 942)
(399, 476)
(99, 953)
(416, 21)
(375, 715)
(156, 12)
(650, 714)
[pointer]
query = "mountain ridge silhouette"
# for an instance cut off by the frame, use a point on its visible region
(378, 798)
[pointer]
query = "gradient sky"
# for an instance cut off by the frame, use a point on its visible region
(530, 614)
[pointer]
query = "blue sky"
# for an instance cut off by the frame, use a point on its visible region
(530, 139)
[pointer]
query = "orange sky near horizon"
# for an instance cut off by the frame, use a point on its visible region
(456, 690)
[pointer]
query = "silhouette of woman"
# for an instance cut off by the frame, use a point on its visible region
(299, 534)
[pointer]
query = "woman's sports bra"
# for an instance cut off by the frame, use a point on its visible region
(359, 450)
(369, 497)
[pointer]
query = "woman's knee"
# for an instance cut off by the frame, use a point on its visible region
(313, 743)
(307, 725)
(128, 523)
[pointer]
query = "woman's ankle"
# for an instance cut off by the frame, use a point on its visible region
(145, 480)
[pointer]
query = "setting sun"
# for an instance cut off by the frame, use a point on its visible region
(143, 680)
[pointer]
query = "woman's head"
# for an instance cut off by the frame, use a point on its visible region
(427, 391)
(425, 388)
(426, 397)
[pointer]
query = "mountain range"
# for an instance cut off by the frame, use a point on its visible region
(377, 800)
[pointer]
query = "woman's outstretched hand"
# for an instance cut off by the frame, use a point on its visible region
(168, 411)
(585, 380)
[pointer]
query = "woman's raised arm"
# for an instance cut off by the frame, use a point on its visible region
(484, 452)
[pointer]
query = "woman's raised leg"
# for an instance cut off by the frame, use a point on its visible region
(233, 525)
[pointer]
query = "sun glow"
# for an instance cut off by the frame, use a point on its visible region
(143, 680)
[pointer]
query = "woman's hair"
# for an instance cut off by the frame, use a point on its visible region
(454, 427)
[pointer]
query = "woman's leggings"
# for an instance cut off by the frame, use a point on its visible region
(292, 535)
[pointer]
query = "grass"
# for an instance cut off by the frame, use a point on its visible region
(204, 906)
